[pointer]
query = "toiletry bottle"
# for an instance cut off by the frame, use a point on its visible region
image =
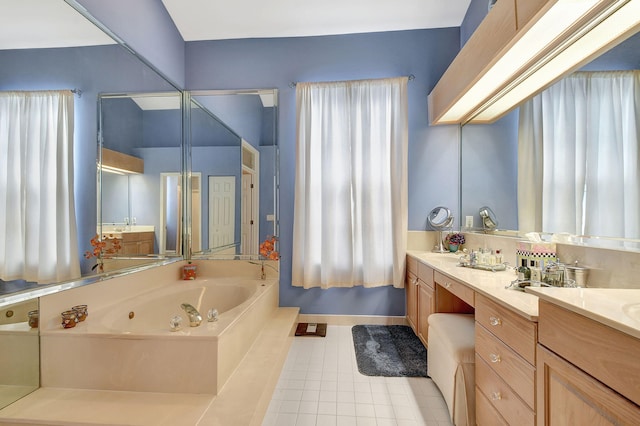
(499, 257)
(536, 272)
(524, 273)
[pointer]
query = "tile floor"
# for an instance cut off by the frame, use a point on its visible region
(320, 385)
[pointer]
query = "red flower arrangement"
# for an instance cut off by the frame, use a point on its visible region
(100, 250)
(268, 248)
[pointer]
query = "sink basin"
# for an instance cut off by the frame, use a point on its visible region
(632, 310)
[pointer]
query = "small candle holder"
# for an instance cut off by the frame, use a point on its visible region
(81, 312)
(189, 272)
(34, 318)
(69, 319)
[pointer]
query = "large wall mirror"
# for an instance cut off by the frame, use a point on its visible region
(490, 162)
(53, 47)
(234, 171)
(48, 45)
(140, 177)
(20, 357)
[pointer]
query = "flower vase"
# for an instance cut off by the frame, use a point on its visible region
(453, 248)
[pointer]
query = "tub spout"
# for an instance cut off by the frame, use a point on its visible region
(194, 316)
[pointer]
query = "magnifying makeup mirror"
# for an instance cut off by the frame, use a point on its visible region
(440, 219)
(489, 221)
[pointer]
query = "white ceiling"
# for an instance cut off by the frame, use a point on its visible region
(53, 23)
(214, 20)
(26, 24)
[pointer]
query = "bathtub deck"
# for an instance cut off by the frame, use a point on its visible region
(243, 400)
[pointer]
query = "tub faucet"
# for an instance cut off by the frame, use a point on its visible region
(263, 273)
(194, 316)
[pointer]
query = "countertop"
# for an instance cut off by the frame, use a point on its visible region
(491, 284)
(616, 308)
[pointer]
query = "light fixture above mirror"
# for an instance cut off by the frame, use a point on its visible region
(562, 36)
(121, 163)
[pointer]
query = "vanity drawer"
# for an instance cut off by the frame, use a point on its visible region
(425, 273)
(486, 414)
(517, 332)
(462, 291)
(501, 396)
(511, 367)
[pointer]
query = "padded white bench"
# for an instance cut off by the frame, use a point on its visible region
(451, 363)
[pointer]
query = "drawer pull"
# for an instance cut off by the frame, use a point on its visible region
(496, 396)
(494, 358)
(495, 321)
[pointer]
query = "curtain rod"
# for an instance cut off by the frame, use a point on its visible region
(77, 92)
(293, 84)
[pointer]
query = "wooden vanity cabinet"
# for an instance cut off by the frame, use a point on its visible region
(133, 243)
(587, 372)
(411, 293)
(505, 365)
(137, 243)
(426, 300)
(420, 298)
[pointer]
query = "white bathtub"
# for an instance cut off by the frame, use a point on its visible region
(110, 351)
(151, 313)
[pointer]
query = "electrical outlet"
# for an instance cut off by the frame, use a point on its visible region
(468, 223)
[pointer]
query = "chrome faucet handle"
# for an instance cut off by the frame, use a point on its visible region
(212, 315)
(174, 323)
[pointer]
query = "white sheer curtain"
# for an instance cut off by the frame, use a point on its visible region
(578, 156)
(38, 239)
(350, 217)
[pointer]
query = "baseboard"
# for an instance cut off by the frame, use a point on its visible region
(353, 319)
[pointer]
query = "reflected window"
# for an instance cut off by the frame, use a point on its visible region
(38, 238)
(578, 156)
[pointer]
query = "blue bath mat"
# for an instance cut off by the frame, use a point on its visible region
(389, 351)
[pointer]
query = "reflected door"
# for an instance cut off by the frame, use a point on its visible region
(250, 199)
(247, 242)
(171, 212)
(170, 235)
(222, 194)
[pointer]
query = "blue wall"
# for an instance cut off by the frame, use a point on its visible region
(274, 63)
(144, 25)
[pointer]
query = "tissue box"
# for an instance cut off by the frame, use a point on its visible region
(537, 247)
(540, 253)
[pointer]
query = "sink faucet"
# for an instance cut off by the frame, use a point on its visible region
(194, 316)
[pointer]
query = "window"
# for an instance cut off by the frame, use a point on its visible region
(350, 215)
